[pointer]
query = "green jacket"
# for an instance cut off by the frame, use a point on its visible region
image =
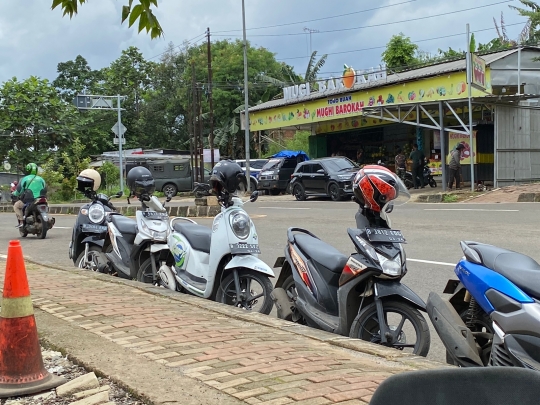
(34, 183)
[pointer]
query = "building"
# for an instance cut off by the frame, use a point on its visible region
(379, 110)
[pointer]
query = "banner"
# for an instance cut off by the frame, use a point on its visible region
(437, 140)
(454, 139)
(478, 71)
(435, 166)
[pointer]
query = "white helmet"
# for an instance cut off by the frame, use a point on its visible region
(88, 178)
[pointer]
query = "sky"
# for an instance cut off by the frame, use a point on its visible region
(34, 38)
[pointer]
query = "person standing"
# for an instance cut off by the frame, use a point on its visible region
(417, 157)
(455, 167)
(360, 157)
(400, 163)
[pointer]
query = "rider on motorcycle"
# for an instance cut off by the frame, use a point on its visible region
(29, 188)
(225, 180)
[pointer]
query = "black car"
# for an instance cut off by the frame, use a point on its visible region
(331, 177)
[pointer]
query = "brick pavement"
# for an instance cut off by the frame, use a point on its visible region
(255, 363)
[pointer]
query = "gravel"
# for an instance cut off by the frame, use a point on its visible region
(59, 365)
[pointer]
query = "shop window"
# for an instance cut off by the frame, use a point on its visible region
(158, 169)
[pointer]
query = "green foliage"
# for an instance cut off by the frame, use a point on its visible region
(450, 198)
(300, 141)
(532, 12)
(141, 12)
(110, 175)
(399, 53)
(34, 121)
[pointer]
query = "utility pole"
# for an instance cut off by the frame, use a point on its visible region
(194, 112)
(311, 31)
(469, 88)
(210, 101)
(201, 138)
(246, 98)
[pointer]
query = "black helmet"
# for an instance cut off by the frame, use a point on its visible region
(226, 178)
(140, 181)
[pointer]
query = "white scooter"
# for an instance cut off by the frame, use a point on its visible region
(220, 263)
(133, 248)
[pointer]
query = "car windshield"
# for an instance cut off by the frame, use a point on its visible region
(339, 165)
(257, 164)
(271, 164)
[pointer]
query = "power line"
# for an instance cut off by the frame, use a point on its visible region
(384, 46)
(382, 24)
(323, 18)
(183, 44)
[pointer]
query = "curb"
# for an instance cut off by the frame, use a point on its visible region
(357, 345)
(529, 197)
(177, 211)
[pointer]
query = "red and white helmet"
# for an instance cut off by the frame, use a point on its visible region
(375, 186)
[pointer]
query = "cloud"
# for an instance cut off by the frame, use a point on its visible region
(34, 38)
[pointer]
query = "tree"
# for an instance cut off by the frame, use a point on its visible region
(76, 76)
(399, 53)
(34, 120)
(531, 32)
(141, 12)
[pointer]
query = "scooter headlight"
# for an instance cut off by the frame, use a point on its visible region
(241, 225)
(156, 235)
(390, 267)
(96, 213)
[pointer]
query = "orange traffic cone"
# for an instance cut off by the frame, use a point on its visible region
(21, 365)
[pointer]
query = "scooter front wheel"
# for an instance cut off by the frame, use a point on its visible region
(254, 294)
(405, 323)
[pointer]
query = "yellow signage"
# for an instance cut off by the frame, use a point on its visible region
(478, 71)
(349, 105)
(454, 139)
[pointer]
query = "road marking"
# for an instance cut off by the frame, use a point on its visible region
(63, 227)
(467, 209)
(283, 208)
(430, 262)
(3, 256)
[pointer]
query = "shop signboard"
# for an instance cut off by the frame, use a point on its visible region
(454, 139)
(435, 166)
(436, 140)
(349, 106)
(478, 72)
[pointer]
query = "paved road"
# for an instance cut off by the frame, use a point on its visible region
(433, 232)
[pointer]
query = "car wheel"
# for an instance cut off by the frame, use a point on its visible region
(253, 185)
(274, 191)
(333, 191)
(299, 192)
(170, 190)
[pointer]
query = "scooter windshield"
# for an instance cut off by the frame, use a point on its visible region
(403, 196)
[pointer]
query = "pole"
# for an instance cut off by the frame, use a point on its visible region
(519, 70)
(194, 114)
(201, 138)
(190, 126)
(210, 101)
(246, 98)
(443, 145)
(120, 139)
(469, 80)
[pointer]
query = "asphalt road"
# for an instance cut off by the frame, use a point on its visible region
(433, 232)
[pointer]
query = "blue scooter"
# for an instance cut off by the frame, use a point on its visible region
(493, 315)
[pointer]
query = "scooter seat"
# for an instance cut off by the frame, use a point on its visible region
(321, 252)
(520, 269)
(198, 236)
(124, 225)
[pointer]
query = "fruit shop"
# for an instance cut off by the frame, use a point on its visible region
(379, 113)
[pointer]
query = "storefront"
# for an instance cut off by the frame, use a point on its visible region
(379, 113)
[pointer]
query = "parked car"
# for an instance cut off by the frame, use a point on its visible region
(276, 173)
(255, 166)
(173, 175)
(330, 177)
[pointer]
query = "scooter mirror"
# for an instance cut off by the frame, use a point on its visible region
(254, 196)
(389, 208)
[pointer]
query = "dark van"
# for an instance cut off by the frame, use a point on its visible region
(276, 173)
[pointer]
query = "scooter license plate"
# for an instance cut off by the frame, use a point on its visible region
(91, 228)
(244, 248)
(385, 235)
(155, 215)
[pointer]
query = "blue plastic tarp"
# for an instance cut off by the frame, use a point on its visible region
(291, 154)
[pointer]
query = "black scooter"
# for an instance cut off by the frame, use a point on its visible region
(360, 295)
(90, 230)
(428, 177)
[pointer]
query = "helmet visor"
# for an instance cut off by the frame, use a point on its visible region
(403, 196)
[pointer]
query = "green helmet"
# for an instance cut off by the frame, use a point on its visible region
(31, 168)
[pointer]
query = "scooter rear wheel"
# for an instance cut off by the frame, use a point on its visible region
(366, 326)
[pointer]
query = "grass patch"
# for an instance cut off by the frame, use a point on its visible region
(450, 198)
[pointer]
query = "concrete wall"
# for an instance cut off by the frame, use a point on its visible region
(517, 145)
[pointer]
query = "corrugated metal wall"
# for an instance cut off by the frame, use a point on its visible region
(517, 145)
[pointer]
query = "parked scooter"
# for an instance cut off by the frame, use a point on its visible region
(89, 230)
(133, 247)
(220, 263)
(428, 177)
(360, 295)
(493, 315)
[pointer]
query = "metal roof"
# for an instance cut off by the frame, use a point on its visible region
(409, 75)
